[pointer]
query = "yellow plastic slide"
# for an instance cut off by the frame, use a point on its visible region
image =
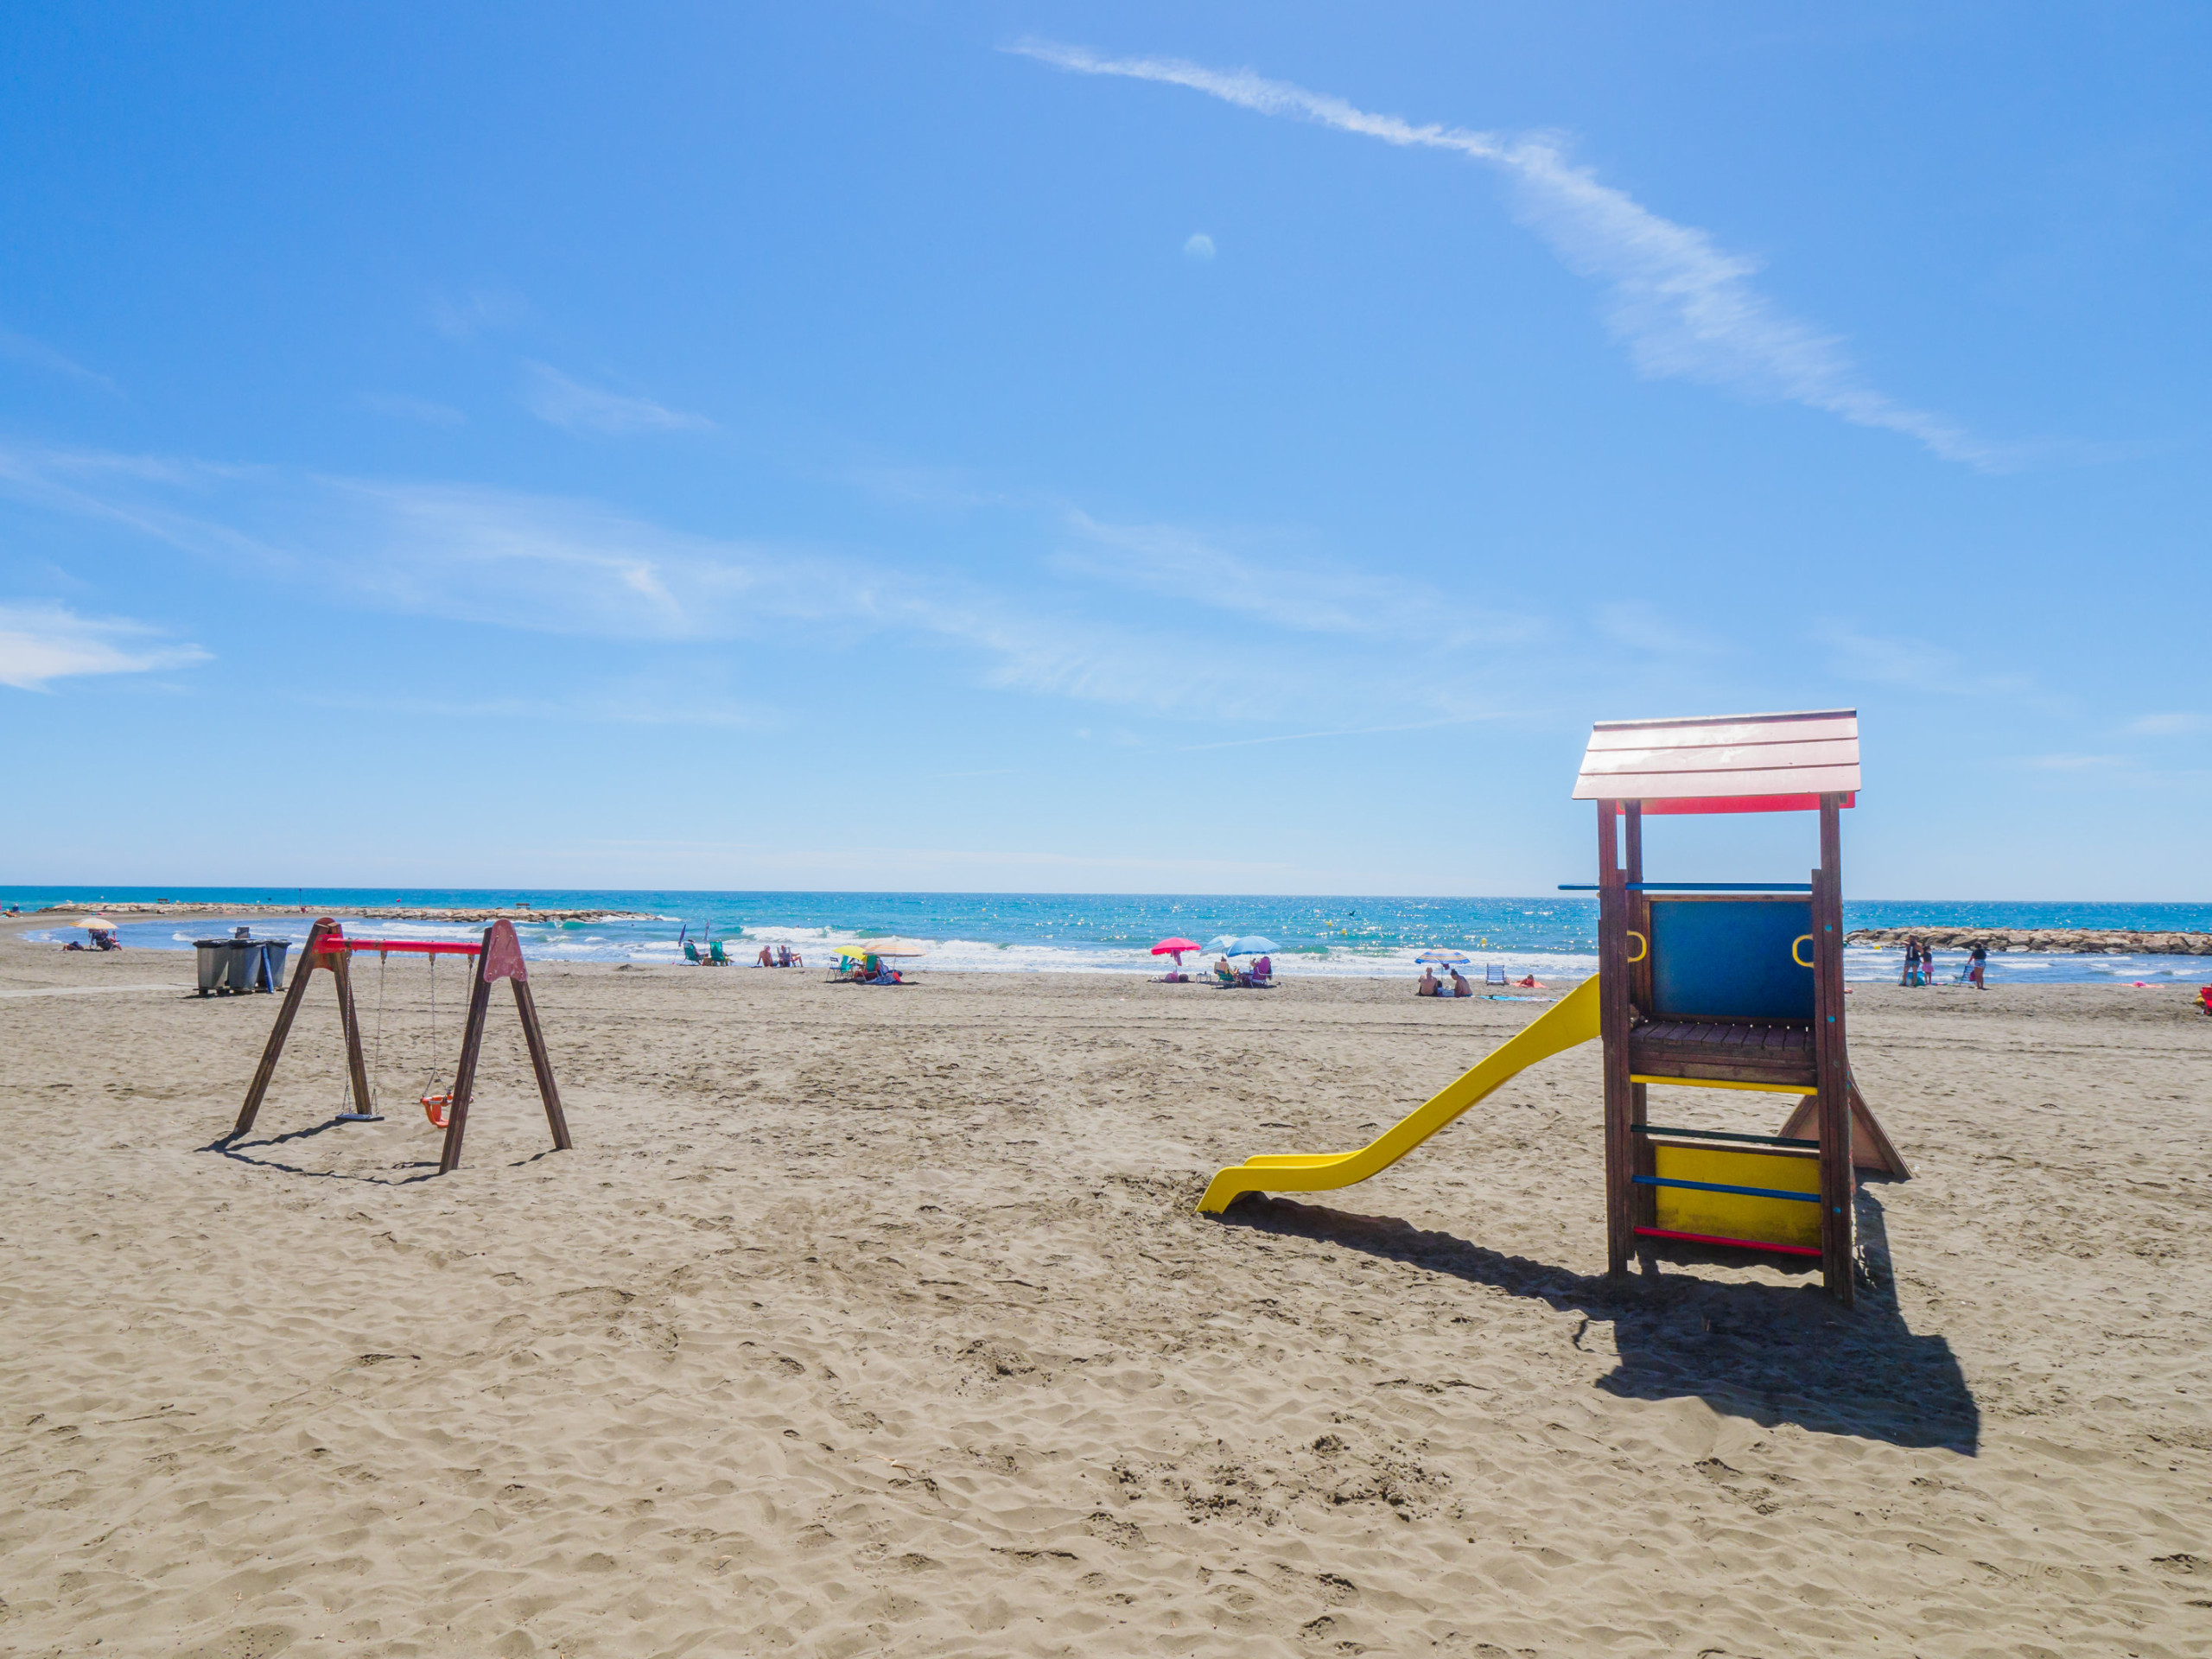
(1571, 1021)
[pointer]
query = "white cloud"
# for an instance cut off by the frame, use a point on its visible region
(1303, 596)
(1642, 629)
(1921, 666)
(37, 354)
(2072, 762)
(554, 398)
(42, 642)
(2171, 725)
(467, 315)
(1199, 249)
(563, 566)
(1683, 306)
(413, 408)
(621, 705)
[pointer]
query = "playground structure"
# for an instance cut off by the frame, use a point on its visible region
(497, 955)
(1718, 985)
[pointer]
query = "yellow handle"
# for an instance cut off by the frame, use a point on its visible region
(1802, 938)
(1641, 940)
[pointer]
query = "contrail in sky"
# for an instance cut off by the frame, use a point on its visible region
(1682, 305)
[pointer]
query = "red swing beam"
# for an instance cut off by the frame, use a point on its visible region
(421, 947)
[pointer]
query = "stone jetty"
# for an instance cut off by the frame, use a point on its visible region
(2062, 941)
(375, 913)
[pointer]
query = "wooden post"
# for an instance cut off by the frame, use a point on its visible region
(1644, 1201)
(464, 1076)
(313, 957)
(1831, 1063)
(500, 957)
(1613, 1027)
(541, 1062)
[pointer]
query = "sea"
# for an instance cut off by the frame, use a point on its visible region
(1551, 936)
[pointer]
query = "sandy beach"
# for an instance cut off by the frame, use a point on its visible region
(866, 1321)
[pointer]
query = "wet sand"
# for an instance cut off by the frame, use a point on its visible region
(864, 1320)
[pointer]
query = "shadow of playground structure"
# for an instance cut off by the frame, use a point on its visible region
(1771, 1353)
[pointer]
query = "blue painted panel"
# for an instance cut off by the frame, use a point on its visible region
(1729, 958)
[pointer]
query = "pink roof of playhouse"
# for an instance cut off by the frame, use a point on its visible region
(1727, 763)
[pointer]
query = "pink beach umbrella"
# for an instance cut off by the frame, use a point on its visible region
(1175, 948)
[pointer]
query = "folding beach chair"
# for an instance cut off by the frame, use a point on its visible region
(1495, 974)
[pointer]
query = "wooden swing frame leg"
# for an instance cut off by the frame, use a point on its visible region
(341, 967)
(472, 1044)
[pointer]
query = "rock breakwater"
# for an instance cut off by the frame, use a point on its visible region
(2058, 941)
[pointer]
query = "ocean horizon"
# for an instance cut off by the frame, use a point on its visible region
(1347, 935)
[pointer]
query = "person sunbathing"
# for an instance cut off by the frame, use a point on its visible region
(1460, 986)
(766, 960)
(1430, 985)
(783, 956)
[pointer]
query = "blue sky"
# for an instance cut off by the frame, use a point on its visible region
(1097, 447)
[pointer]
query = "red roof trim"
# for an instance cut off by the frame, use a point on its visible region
(1745, 804)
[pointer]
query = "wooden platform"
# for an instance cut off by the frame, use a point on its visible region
(1778, 1052)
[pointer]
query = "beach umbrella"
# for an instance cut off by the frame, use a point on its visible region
(97, 924)
(1251, 945)
(1445, 958)
(1219, 945)
(1175, 948)
(894, 947)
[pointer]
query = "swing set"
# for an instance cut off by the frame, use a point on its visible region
(497, 955)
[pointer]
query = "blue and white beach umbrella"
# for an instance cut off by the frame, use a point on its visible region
(1445, 958)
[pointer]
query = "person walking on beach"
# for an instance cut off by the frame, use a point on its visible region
(1977, 964)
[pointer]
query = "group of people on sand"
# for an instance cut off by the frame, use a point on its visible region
(1919, 963)
(882, 974)
(1432, 986)
(1259, 976)
(779, 956)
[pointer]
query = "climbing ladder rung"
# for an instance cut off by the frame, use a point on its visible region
(1723, 1135)
(1716, 1187)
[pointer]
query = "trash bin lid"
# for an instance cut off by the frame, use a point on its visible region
(205, 942)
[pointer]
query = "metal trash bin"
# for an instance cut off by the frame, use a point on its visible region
(214, 964)
(245, 965)
(273, 952)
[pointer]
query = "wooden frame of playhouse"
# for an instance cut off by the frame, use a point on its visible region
(1732, 985)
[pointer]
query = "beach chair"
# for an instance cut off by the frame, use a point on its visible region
(691, 955)
(1494, 974)
(715, 952)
